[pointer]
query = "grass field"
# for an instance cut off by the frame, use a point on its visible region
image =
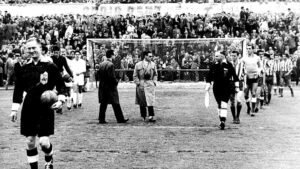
(185, 135)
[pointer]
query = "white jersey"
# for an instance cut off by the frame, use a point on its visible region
(78, 67)
(252, 65)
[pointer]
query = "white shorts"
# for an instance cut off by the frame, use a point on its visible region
(79, 80)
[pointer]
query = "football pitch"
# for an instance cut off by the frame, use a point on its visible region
(185, 135)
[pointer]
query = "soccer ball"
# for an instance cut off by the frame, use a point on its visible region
(49, 97)
(67, 78)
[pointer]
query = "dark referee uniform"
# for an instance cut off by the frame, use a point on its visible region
(36, 118)
(222, 74)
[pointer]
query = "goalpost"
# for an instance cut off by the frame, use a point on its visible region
(192, 55)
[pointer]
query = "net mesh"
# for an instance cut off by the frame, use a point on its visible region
(176, 59)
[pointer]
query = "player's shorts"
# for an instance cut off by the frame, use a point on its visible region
(278, 78)
(222, 94)
(78, 80)
(269, 80)
(251, 81)
(260, 81)
(36, 118)
(285, 80)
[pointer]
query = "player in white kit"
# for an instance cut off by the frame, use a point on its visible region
(79, 68)
(252, 70)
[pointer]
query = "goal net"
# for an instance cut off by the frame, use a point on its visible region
(176, 59)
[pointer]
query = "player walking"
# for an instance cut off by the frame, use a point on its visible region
(79, 68)
(236, 97)
(252, 69)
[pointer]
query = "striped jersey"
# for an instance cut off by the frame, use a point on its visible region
(239, 69)
(269, 67)
(276, 65)
(286, 65)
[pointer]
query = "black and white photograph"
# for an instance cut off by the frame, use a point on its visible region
(149, 84)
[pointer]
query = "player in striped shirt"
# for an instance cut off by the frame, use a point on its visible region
(260, 84)
(270, 77)
(252, 69)
(236, 96)
(286, 68)
(276, 68)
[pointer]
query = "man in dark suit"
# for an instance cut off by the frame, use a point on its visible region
(108, 91)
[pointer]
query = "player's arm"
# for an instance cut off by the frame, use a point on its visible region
(60, 87)
(17, 98)
(290, 68)
(234, 75)
(66, 66)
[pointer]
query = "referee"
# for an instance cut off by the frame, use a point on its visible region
(37, 119)
(220, 74)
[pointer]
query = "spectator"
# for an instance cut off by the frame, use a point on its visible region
(9, 70)
(1, 71)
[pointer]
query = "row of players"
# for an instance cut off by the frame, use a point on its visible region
(252, 76)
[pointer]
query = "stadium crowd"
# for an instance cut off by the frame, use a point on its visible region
(273, 33)
(132, 1)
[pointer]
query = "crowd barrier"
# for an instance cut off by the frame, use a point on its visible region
(197, 7)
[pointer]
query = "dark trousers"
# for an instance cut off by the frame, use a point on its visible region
(297, 75)
(117, 110)
(143, 111)
(1, 79)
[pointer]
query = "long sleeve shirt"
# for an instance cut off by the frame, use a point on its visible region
(34, 79)
(222, 74)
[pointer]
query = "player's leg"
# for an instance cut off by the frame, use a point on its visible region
(46, 147)
(247, 96)
(32, 152)
(80, 95)
(239, 97)
(261, 97)
(253, 94)
(69, 98)
(232, 106)
(223, 111)
(288, 83)
(258, 94)
(74, 95)
(281, 85)
(269, 89)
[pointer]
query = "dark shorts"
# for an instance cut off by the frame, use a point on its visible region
(36, 118)
(285, 80)
(278, 78)
(251, 81)
(222, 94)
(269, 80)
(260, 81)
